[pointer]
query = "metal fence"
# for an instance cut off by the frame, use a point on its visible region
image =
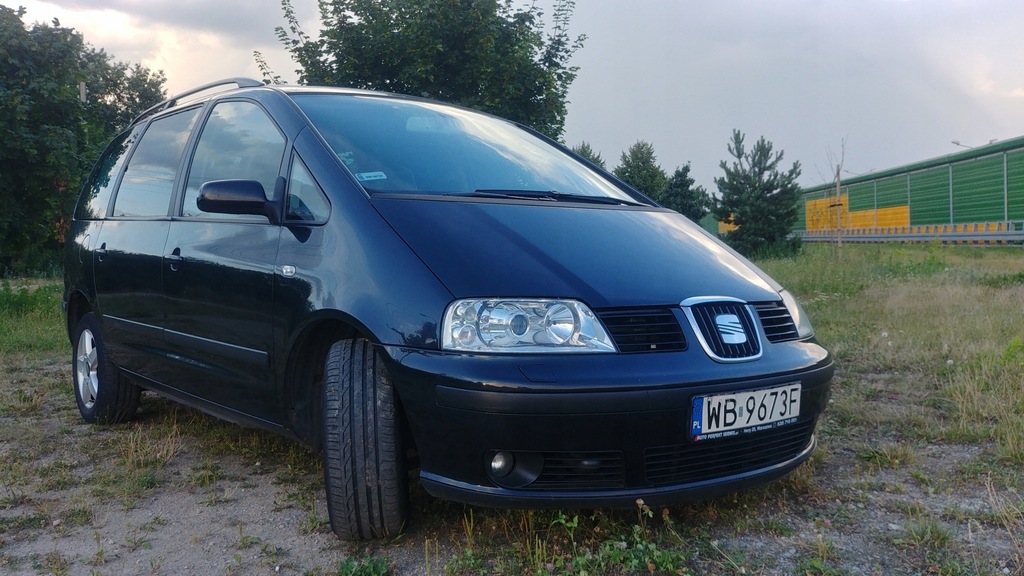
(990, 233)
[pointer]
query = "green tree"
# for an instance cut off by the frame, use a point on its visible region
(49, 138)
(639, 168)
(584, 149)
(681, 195)
(483, 54)
(758, 198)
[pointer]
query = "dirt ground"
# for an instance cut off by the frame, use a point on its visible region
(268, 517)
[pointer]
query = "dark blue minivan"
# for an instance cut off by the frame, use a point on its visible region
(381, 276)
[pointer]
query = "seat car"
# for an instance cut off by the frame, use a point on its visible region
(380, 276)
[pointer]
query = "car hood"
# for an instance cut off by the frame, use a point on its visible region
(605, 256)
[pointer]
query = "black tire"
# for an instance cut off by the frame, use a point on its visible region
(364, 469)
(103, 395)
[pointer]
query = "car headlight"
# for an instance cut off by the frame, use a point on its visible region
(803, 324)
(525, 326)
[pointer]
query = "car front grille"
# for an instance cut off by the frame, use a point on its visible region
(710, 459)
(644, 329)
(581, 471)
(657, 329)
(708, 319)
(777, 323)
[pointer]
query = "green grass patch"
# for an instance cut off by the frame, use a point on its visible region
(31, 319)
(23, 522)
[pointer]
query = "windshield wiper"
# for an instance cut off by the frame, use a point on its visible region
(551, 195)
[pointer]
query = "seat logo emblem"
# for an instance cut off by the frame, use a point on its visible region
(731, 329)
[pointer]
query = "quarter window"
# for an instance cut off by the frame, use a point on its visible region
(305, 201)
(96, 193)
(149, 179)
(238, 142)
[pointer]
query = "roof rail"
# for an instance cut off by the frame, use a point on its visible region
(239, 82)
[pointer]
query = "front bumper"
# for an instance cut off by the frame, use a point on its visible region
(597, 430)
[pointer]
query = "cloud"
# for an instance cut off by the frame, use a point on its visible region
(897, 80)
(239, 21)
(192, 41)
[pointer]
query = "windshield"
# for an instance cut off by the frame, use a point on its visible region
(393, 145)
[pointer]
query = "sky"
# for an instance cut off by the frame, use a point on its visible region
(873, 84)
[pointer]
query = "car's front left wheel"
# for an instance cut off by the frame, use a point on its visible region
(364, 470)
(103, 395)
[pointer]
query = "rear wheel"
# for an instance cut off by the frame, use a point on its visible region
(364, 471)
(103, 395)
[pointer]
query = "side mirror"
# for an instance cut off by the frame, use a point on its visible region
(236, 197)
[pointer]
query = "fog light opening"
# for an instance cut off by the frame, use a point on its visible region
(502, 464)
(513, 469)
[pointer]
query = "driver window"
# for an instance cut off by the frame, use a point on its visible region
(238, 142)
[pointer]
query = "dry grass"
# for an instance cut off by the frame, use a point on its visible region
(928, 338)
(919, 468)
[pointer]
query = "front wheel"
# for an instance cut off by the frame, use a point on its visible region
(103, 395)
(364, 470)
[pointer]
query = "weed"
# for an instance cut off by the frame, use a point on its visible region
(55, 563)
(776, 527)
(891, 456)
(271, 554)
(153, 524)
(236, 564)
(818, 567)
(469, 528)
(312, 522)
(465, 562)
(22, 522)
(58, 475)
(823, 547)
(926, 532)
(246, 540)
(1002, 280)
(431, 551)
(369, 566)
(1009, 511)
(205, 475)
(135, 541)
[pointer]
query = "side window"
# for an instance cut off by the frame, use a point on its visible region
(96, 192)
(149, 179)
(238, 142)
(305, 201)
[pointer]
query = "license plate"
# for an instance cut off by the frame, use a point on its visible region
(724, 415)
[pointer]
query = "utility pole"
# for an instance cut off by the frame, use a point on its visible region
(839, 206)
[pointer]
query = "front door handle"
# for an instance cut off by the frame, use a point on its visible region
(174, 259)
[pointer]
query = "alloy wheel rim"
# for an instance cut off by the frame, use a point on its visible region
(86, 365)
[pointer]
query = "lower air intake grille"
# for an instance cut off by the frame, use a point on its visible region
(581, 471)
(644, 329)
(699, 461)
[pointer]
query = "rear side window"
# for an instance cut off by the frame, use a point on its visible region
(148, 181)
(238, 142)
(96, 193)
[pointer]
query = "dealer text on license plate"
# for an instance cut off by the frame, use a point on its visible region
(748, 411)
